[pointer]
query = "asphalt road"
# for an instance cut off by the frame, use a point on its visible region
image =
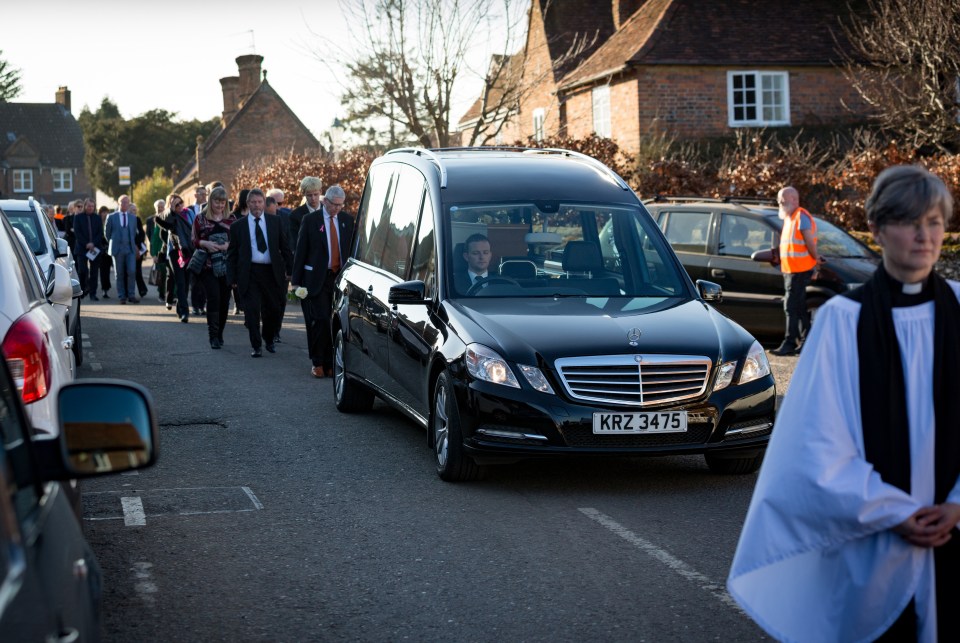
(272, 517)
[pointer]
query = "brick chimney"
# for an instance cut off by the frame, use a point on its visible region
(249, 67)
(623, 9)
(230, 99)
(63, 97)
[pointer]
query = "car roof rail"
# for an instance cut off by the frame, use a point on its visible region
(428, 154)
(752, 200)
(583, 157)
(741, 201)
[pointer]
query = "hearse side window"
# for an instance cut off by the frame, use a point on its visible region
(374, 213)
(402, 223)
(424, 252)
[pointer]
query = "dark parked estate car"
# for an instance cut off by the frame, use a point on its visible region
(50, 583)
(587, 337)
(715, 239)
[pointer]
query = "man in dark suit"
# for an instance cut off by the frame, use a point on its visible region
(258, 264)
(476, 254)
(310, 188)
(88, 239)
(322, 249)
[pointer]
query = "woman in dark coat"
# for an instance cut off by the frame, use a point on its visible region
(211, 230)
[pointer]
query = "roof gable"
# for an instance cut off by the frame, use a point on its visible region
(263, 92)
(567, 24)
(52, 131)
(725, 32)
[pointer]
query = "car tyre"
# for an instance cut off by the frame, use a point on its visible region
(349, 395)
(453, 465)
(726, 465)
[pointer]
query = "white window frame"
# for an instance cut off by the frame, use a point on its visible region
(600, 102)
(763, 99)
(22, 180)
(539, 116)
(62, 179)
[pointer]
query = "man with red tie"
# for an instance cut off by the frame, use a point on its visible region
(322, 248)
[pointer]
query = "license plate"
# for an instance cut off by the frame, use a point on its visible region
(633, 423)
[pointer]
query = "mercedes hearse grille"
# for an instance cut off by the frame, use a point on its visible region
(634, 380)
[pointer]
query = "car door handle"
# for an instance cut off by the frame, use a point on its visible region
(718, 273)
(67, 343)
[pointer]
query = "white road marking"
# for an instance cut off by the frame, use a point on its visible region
(95, 366)
(253, 498)
(133, 515)
(718, 591)
(144, 582)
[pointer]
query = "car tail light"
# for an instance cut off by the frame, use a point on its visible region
(27, 358)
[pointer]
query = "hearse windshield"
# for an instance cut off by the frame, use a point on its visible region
(549, 249)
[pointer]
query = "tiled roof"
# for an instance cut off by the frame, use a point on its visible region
(49, 127)
(567, 21)
(721, 32)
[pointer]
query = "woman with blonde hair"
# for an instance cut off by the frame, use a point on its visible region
(211, 234)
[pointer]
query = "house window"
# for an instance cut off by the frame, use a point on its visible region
(23, 180)
(62, 180)
(601, 111)
(758, 98)
(538, 117)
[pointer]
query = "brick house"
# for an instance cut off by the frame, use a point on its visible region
(41, 152)
(560, 35)
(256, 124)
(692, 69)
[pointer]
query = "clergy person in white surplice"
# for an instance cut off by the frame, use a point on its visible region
(851, 532)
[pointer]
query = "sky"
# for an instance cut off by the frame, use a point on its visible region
(172, 55)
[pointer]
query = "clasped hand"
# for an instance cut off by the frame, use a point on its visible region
(930, 526)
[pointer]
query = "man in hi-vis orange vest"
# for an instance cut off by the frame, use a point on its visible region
(799, 263)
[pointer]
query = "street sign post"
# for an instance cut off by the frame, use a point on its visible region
(124, 175)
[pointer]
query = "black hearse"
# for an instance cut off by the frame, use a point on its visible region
(585, 336)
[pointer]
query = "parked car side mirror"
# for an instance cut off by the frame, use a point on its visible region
(59, 288)
(709, 291)
(771, 256)
(61, 248)
(106, 426)
(408, 292)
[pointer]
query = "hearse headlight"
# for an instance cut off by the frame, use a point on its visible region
(725, 376)
(536, 378)
(487, 365)
(755, 366)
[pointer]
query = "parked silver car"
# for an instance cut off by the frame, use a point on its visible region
(29, 218)
(34, 340)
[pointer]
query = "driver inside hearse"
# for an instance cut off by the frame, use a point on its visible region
(477, 254)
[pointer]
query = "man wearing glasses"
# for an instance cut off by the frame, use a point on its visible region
(322, 249)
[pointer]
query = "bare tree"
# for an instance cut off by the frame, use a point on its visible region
(410, 54)
(10, 86)
(905, 64)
